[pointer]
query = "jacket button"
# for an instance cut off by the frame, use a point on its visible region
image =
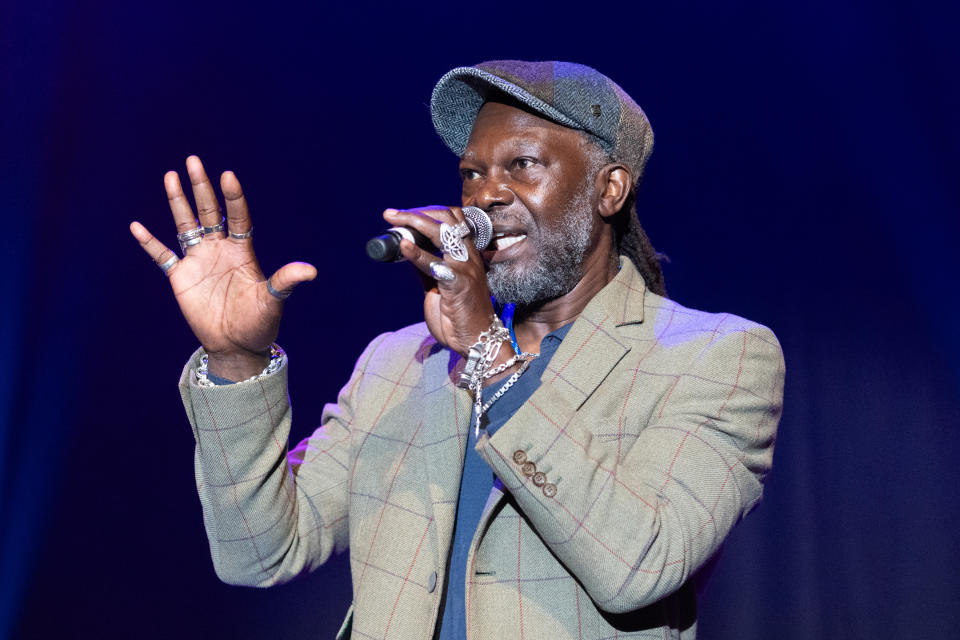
(519, 456)
(539, 478)
(432, 582)
(549, 489)
(528, 468)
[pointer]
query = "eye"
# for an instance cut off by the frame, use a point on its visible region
(524, 163)
(469, 174)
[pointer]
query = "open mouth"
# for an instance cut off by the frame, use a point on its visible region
(503, 241)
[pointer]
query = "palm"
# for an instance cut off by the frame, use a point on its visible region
(218, 283)
(219, 288)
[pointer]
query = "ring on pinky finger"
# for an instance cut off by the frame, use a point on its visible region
(166, 266)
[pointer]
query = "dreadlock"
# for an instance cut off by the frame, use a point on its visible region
(632, 241)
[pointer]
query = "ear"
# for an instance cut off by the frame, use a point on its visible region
(614, 184)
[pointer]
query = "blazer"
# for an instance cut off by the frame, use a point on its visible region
(648, 439)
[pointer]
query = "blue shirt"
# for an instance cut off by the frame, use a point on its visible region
(478, 481)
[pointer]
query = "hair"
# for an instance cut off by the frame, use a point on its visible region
(629, 237)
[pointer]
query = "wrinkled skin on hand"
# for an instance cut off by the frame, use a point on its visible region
(456, 311)
(218, 283)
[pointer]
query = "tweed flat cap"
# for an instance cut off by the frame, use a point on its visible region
(570, 94)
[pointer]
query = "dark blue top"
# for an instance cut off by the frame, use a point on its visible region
(477, 483)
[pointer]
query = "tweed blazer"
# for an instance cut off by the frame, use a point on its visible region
(655, 423)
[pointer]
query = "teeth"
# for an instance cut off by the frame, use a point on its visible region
(508, 241)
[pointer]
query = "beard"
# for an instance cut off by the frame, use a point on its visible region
(558, 267)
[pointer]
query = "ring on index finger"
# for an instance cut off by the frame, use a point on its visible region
(451, 240)
(441, 271)
(242, 236)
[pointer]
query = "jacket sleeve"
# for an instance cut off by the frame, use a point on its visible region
(269, 514)
(633, 526)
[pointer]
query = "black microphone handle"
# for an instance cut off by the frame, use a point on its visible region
(386, 247)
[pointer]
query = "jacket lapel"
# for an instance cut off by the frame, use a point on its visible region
(591, 349)
(588, 353)
(594, 345)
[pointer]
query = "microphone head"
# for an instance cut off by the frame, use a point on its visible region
(481, 225)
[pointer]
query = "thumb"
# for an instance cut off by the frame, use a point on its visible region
(281, 283)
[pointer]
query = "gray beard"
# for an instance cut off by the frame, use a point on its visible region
(560, 252)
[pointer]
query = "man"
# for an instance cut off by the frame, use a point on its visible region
(565, 478)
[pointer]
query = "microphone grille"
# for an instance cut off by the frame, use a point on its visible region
(482, 226)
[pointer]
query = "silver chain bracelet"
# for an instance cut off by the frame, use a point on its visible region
(277, 358)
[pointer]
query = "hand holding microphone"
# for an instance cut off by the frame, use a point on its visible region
(457, 305)
(386, 247)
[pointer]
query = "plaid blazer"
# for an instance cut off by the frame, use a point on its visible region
(648, 439)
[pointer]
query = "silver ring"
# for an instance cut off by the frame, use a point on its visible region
(242, 236)
(217, 228)
(440, 271)
(451, 240)
(189, 238)
(189, 243)
(191, 234)
(166, 266)
(279, 295)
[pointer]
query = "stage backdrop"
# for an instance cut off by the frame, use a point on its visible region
(803, 177)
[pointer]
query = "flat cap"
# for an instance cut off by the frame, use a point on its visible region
(570, 94)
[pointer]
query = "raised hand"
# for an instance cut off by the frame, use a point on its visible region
(218, 283)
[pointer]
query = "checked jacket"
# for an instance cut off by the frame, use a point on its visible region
(655, 423)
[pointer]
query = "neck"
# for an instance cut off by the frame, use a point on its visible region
(534, 322)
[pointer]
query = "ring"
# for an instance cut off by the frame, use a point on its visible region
(242, 236)
(166, 266)
(279, 295)
(217, 228)
(441, 271)
(189, 238)
(451, 240)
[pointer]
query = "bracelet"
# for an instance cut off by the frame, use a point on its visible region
(482, 354)
(277, 358)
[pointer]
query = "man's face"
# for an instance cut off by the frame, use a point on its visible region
(536, 180)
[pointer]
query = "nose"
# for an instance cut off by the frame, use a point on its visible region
(490, 193)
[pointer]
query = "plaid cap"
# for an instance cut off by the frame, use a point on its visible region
(570, 94)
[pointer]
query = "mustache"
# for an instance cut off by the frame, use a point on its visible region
(511, 219)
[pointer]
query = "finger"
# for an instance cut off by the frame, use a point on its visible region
(422, 260)
(208, 208)
(426, 220)
(179, 205)
(289, 276)
(154, 248)
(238, 215)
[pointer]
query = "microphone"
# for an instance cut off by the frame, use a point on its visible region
(386, 247)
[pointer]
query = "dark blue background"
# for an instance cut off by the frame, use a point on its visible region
(804, 177)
